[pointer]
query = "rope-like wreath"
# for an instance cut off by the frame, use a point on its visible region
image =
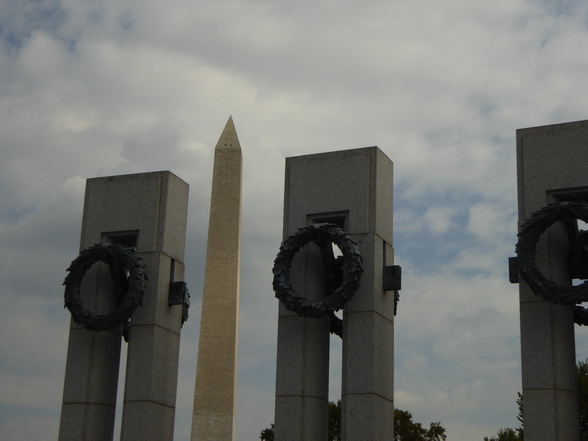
(352, 269)
(529, 235)
(121, 261)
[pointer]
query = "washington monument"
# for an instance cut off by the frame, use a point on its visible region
(216, 371)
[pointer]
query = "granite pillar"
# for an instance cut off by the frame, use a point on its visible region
(352, 189)
(551, 163)
(146, 211)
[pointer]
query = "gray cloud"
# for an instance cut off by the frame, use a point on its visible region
(95, 90)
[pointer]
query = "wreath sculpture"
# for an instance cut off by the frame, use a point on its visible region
(122, 261)
(529, 235)
(351, 266)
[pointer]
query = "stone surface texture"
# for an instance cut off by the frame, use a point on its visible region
(551, 164)
(353, 187)
(152, 209)
(216, 371)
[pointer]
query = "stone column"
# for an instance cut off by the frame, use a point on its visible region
(302, 379)
(91, 373)
(147, 211)
(154, 343)
(551, 163)
(368, 319)
(353, 189)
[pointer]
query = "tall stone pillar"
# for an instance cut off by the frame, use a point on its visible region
(552, 165)
(368, 319)
(216, 371)
(352, 189)
(148, 212)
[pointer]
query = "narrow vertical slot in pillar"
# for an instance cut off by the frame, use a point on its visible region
(340, 219)
(127, 239)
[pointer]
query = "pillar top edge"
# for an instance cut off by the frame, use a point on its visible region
(345, 152)
(553, 127)
(136, 176)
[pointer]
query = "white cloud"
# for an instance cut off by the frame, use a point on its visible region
(489, 220)
(438, 219)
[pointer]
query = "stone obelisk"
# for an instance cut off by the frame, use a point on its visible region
(216, 371)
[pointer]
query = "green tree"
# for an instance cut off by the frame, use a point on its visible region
(405, 429)
(506, 434)
(520, 415)
(267, 434)
(582, 381)
(335, 420)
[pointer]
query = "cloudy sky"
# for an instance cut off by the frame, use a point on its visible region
(112, 87)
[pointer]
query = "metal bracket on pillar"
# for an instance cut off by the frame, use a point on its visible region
(179, 295)
(392, 281)
(513, 269)
(392, 278)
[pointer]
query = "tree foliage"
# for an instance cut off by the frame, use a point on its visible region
(335, 421)
(405, 429)
(582, 381)
(267, 434)
(506, 434)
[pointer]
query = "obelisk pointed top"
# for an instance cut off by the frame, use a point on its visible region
(228, 138)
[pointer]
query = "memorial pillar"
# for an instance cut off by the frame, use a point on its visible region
(552, 164)
(353, 190)
(145, 212)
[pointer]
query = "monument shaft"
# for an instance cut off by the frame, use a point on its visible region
(214, 398)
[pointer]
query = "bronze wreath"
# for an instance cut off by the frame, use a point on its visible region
(529, 235)
(120, 260)
(352, 269)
